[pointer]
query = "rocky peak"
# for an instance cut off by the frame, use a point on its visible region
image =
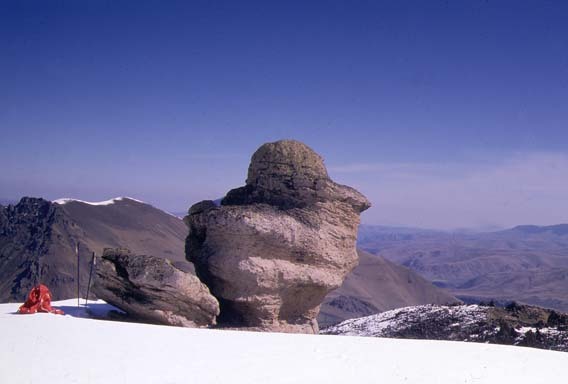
(26, 234)
(36, 206)
(29, 220)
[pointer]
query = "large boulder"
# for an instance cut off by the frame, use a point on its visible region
(150, 289)
(275, 247)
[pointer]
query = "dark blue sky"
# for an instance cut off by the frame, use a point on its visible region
(434, 109)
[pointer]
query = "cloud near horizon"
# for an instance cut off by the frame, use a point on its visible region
(527, 188)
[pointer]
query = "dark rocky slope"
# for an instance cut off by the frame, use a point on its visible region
(129, 223)
(36, 246)
(38, 240)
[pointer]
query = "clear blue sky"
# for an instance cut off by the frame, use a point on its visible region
(444, 113)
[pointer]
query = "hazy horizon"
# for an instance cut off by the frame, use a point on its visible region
(181, 212)
(444, 115)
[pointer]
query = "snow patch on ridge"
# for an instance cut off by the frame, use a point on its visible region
(106, 202)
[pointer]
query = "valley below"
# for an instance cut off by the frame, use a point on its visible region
(528, 264)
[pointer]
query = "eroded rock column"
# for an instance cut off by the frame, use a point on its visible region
(276, 246)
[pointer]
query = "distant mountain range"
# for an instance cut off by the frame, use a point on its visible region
(527, 263)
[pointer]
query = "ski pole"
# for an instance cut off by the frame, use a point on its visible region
(78, 287)
(93, 262)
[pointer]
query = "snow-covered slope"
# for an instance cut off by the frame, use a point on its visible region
(45, 348)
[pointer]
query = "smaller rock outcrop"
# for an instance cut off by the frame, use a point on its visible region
(515, 324)
(150, 289)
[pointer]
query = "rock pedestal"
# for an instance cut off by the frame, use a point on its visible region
(276, 246)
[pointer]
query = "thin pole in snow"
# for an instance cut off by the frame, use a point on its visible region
(93, 261)
(38, 274)
(78, 287)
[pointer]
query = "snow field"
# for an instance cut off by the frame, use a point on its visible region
(46, 348)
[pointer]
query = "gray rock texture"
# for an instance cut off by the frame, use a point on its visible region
(275, 247)
(150, 289)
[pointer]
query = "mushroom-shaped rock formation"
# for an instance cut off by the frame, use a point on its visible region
(150, 289)
(274, 248)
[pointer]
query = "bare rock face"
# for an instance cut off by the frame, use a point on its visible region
(275, 247)
(150, 289)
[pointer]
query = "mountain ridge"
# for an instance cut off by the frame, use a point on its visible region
(38, 241)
